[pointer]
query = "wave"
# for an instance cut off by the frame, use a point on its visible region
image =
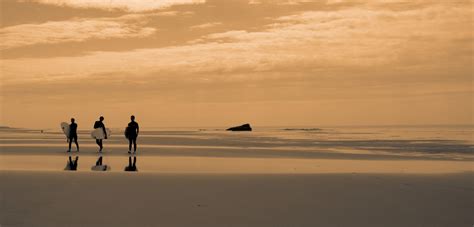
(303, 129)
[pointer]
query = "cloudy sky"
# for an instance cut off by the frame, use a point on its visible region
(217, 63)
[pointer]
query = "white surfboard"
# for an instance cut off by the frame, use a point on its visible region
(101, 168)
(98, 133)
(65, 128)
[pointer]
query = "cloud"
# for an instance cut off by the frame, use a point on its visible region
(422, 41)
(279, 2)
(205, 25)
(254, 2)
(127, 5)
(410, 61)
(75, 30)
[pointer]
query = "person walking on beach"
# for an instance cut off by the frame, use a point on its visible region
(100, 124)
(132, 134)
(73, 134)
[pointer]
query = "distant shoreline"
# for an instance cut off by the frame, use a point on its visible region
(282, 127)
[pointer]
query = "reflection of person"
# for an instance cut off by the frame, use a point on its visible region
(99, 166)
(72, 164)
(131, 167)
(73, 134)
(132, 132)
(100, 124)
(99, 161)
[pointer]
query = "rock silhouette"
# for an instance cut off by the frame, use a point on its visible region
(244, 127)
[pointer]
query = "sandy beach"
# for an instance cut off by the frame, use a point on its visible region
(217, 178)
(129, 199)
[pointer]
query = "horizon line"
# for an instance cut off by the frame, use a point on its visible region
(272, 126)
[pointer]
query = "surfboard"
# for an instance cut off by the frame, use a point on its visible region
(65, 128)
(127, 132)
(68, 167)
(98, 133)
(101, 168)
(71, 166)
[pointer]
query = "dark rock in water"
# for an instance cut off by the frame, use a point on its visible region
(244, 127)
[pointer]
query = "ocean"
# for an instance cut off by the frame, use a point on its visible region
(453, 142)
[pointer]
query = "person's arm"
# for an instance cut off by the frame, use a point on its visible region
(138, 129)
(105, 132)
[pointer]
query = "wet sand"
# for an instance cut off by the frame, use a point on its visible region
(216, 191)
(232, 165)
(223, 179)
(152, 199)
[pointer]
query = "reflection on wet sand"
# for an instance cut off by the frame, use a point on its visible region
(99, 166)
(221, 165)
(72, 165)
(131, 167)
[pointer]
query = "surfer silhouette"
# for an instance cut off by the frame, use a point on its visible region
(73, 134)
(100, 124)
(131, 132)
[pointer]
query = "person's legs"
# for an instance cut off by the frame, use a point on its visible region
(135, 144)
(129, 144)
(69, 162)
(77, 144)
(99, 142)
(70, 141)
(75, 163)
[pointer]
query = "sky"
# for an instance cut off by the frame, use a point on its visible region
(198, 63)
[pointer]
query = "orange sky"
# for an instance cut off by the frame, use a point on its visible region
(218, 63)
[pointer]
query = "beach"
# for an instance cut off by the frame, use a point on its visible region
(122, 199)
(246, 113)
(269, 177)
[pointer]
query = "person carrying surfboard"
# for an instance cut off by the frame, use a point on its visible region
(131, 132)
(73, 134)
(100, 124)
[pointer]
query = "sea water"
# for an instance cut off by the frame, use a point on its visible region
(446, 141)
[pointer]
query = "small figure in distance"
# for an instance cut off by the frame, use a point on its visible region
(100, 124)
(73, 134)
(132, 131)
